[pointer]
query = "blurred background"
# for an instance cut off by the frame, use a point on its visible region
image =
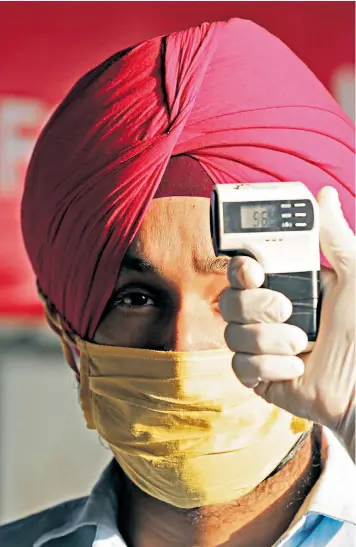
(46, 453)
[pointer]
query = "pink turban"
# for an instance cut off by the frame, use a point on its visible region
(227, 94)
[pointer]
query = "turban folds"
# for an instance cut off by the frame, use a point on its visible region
(227, 94)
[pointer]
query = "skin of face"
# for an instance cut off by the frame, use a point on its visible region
(167, 298)
(171, 300)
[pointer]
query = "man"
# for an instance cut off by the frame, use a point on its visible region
(115, 218)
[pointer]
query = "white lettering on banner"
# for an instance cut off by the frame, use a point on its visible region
(343, 88)
(21, 120)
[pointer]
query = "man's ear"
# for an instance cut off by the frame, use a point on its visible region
(55, 323)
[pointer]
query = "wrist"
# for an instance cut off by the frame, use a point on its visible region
(345, 430)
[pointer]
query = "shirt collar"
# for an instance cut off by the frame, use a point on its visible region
(332, 496)
(100, 509)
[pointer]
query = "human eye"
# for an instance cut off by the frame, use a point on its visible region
(132, 298)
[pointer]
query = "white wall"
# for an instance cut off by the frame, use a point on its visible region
(46, 453)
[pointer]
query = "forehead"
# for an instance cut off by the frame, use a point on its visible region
(174, 227)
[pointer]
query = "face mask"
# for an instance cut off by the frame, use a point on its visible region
(180, 424)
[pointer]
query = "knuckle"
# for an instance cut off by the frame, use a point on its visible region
(262, 338)
(263, 364)
(232, 270)
(230, 336)
(250, 304)
(229, 305)
(236, 363)
(274, 307)
(244, 369)
(223, 303)
(284, 307)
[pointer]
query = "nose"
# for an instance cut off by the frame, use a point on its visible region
(195, 327)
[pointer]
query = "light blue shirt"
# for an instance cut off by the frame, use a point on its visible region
(326, 518)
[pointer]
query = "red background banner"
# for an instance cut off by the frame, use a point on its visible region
(46, 46)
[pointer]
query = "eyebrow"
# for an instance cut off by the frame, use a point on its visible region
(131, 262)
(206, 266)
(216, 264)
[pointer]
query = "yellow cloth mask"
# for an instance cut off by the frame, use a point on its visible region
(181, 425)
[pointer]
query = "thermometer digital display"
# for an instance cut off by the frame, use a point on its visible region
(258, 216)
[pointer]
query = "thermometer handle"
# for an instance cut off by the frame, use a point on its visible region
(303, 290)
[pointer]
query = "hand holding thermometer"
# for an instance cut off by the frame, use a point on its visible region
(277, 224)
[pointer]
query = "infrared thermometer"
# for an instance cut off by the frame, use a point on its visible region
(277, 224)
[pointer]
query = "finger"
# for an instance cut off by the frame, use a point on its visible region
(254, 306)
(251, 369)
(337, 240)
(245, 273)
(266, 338)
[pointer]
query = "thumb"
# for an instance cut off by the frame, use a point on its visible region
(286, 395)
(337, 241)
